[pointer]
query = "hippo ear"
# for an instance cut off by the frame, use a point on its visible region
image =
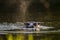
(38, 23)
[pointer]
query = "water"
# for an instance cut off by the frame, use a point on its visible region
(27, 35)
(22, 36)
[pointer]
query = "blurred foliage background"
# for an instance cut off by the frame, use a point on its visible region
(31, 10)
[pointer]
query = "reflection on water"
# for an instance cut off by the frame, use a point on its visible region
(52, 36)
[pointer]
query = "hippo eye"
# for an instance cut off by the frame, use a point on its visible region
(34, 24)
